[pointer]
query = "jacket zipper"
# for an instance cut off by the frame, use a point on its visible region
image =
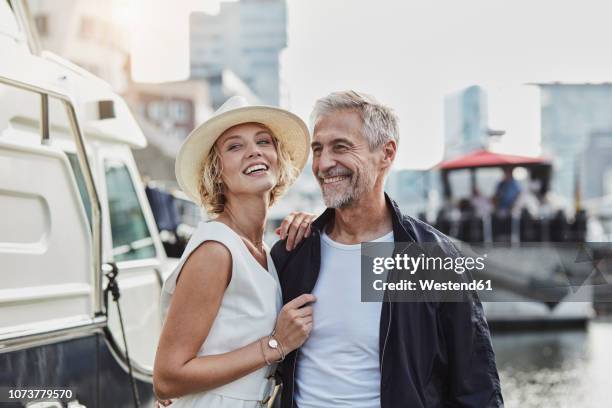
(382, 363)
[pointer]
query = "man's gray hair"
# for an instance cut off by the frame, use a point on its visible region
(380, 123)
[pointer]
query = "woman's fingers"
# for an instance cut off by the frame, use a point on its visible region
(306, 320)
(285, 224)
(311, 219)
(308, 326)
(304, 311)
(292, 326)
(293, 230)
(296, 235)
(297, 229)
(300, 301)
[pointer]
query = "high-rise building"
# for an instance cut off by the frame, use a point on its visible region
(597, 165)
(166, 112)
(571, 115)
(413, 190)
(91, 34)
(465, 121)
(87, 33)
(245, 37)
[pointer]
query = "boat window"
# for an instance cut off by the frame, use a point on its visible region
(131, 237)
(59, 122)
(80, 181)
(20, 113)
(60, 132)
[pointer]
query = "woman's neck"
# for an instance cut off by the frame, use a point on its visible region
(246, 215)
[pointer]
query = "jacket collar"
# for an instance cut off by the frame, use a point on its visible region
(402, 231)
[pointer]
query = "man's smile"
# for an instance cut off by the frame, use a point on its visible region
(336, 179)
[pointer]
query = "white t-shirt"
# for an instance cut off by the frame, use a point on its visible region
(338, 365)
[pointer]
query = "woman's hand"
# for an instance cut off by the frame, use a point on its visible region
(295, 227)
(294, 322)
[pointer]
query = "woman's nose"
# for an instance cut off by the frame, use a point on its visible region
(254, 151)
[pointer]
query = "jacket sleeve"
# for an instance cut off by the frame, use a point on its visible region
(473, 377)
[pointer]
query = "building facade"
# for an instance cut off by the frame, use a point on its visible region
(166, 112)
(94, 35)
(245, 37)
(597, 166)
(574, 117)
(89, 33)
(465, 121)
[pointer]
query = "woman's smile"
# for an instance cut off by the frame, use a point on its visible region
(256, 170)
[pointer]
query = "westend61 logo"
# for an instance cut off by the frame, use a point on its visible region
(421, 262)
(442, 273)
(545, 272)
(410, 272)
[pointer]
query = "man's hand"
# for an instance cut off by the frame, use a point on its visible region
(295, 227)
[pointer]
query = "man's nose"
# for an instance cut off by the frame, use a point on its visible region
(326, 161)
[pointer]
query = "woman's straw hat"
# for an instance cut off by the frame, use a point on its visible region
(287, 127)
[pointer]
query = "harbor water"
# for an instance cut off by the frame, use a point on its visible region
(556, 369)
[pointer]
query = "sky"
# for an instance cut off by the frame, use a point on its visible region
(411, 54)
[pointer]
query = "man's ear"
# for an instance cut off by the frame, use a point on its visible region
(389, 150)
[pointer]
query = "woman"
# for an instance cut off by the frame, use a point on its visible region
(224, 329)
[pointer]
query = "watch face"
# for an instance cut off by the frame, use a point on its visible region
(273, 343)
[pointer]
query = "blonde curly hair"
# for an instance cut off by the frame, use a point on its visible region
(211, 186)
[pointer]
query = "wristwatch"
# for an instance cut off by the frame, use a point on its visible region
(273, 343)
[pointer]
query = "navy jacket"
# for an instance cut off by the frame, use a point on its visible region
(431, 354)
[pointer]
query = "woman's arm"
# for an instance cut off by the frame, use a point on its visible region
(195, 304)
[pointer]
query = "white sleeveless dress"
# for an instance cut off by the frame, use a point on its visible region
(248, 311)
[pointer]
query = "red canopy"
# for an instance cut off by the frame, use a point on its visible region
(484, 158)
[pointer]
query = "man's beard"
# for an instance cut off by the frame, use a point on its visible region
(359, 182)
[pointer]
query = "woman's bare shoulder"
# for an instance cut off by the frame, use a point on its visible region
(209, 259)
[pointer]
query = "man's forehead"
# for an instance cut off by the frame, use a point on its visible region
(347, 124)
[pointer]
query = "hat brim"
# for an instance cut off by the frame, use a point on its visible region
(291, 131)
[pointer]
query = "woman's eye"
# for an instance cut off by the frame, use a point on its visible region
(233, 147)
(264, 142)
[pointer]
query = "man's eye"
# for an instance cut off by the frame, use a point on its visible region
(341, 147)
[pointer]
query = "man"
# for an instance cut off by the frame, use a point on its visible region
(360, 354)
(507, 192)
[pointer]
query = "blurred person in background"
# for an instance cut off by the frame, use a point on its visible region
(507, 192)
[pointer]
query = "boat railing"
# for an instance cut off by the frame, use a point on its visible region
(499, 227)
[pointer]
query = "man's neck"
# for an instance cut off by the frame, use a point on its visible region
(362, 221)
